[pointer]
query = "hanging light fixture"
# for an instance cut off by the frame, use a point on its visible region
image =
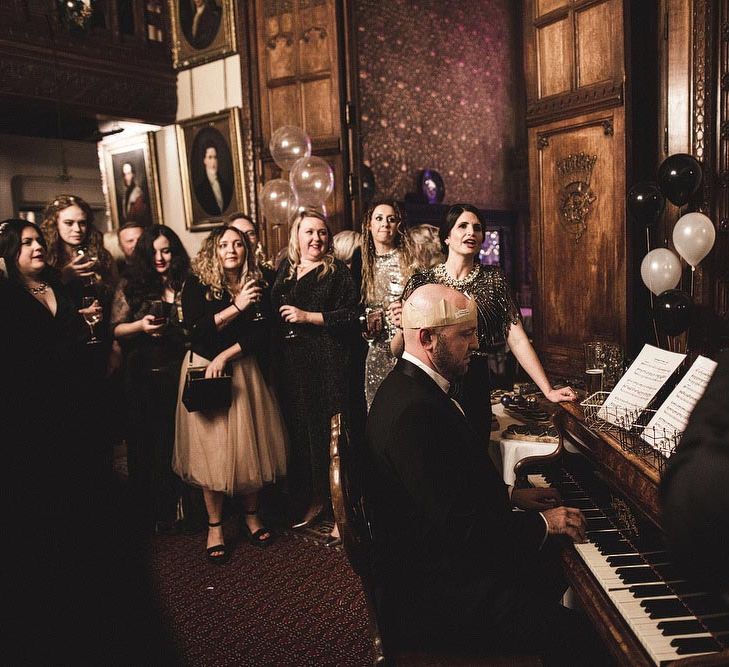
(76, 13)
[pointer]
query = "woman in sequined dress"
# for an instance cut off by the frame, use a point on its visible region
(461, 236)
(387, 263)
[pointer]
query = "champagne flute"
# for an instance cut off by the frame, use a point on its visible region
(91, 318)
(257, 275)
(290, 333)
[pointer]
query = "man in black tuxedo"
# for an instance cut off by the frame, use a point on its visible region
(694, 488)
(213, 192)
(453, 562)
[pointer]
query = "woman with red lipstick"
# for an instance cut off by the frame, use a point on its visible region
(317, 303)
(461, 236)
(145, 319)
(238, 449)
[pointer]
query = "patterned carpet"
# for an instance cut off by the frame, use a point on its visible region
(296, 602)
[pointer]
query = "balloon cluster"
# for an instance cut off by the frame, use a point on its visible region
(679, 178)
(310, 182)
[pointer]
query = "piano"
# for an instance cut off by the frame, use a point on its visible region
(623, 578)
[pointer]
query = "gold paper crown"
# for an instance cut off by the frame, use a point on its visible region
(440, 314)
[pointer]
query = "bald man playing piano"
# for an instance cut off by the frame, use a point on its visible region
(454, 562)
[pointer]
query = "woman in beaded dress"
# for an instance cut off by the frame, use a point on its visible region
(461, 236)
(387, 263)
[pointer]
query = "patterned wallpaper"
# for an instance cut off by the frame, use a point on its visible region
(436, 81)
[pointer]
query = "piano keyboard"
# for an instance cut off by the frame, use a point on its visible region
(671, 618)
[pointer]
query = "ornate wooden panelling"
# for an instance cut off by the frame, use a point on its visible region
(597, 48)
(577, 177)
(554, 42)
(298, 84)
(573, 57)
(546, 6)
(97, 70)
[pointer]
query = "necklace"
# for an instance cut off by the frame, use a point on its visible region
(37, 290)
(442, 275)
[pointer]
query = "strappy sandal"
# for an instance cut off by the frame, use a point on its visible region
(257, 538)
(219, 553)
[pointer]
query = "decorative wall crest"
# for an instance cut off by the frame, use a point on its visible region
(576, 197)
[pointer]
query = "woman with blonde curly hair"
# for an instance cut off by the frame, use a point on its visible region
(387, 263)
(241, 448)
(318, 305)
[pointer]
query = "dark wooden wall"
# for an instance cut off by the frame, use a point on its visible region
(110, 68)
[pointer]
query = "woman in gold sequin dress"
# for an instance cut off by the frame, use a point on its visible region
(461, 236)
(387, 263)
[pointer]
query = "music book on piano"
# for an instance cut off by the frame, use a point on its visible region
(641, 382)
(673, 415)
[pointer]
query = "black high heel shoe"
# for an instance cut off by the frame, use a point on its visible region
(219, 553)
(257, 538)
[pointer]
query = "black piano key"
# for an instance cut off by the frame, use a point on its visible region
(698, 645)
(650, 590)
(670, 628)
(668, 608)
(637, 575)
(715, 625)
(629, 559)
(579, 504)
(598, 523)
(656, 558)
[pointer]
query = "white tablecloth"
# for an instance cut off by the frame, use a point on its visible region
(513, 451)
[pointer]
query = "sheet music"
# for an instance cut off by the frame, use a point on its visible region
(672, 417)
(641, 382)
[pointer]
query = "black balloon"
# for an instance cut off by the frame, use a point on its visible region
(672, 312)
(646, 203)
(679, 177)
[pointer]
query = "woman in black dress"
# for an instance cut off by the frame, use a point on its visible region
(146, 318)
(317, 302)
(461, 236)
(241, 448)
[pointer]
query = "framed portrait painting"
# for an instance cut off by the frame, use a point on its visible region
(132, 182)
(212, 168)
(202, 30)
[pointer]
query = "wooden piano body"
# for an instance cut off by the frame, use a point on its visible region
(637, 481)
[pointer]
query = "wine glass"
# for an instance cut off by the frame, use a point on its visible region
(91, 318)
(257, 275)
(83, 251)
(290, 333)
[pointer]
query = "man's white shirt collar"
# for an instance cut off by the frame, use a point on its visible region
(434, 375)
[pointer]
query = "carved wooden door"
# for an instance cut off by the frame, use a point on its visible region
(575, 110)
(299, 65)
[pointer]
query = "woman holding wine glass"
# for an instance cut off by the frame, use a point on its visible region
(318, 313)
(461, 236)
(145, 317)
(387, 263)
(234, 450)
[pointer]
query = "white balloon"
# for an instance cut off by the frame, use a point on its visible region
(289, 144)
(660, 270)
(278, 201)
(693, 237)
(312, 179)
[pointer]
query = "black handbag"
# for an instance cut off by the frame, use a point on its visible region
(203, 394)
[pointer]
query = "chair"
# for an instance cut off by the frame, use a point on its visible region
(354, 529)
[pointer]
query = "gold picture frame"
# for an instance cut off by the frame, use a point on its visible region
(132, 180)
(211, 167)
(199, 37)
